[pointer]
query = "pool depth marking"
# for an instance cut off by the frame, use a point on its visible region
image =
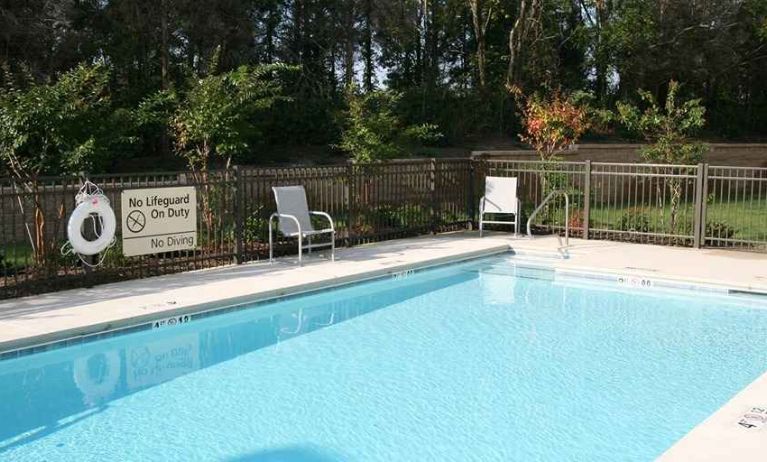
(634, 281)
(754, 418)
(172, 321)
(403, 274)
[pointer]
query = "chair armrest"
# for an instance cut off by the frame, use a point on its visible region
(285, 215)
(323, 214)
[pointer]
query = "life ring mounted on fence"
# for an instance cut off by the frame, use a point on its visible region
(97, 205)
(93, 205)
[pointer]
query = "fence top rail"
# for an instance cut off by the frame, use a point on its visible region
(215, 175)
(534, 170)
(534, 162)
(603, 173)
(641, 164)
(726, 167)
(415, 160)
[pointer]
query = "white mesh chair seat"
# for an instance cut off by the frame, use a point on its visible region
(294, 220)
(500, 198)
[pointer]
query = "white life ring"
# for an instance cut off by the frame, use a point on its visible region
(97, 388)
(96, 204)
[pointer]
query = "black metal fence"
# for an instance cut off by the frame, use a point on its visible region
(696, 205)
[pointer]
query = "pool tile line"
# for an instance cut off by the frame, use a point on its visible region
(643, 281)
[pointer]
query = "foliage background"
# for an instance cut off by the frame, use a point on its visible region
(448, 62)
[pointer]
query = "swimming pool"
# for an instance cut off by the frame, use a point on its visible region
(483, 360)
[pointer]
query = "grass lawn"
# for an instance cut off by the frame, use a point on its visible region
(747, 218)
(15, 254)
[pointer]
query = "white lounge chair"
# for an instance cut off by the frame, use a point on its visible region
(500, 197)
(294, 221)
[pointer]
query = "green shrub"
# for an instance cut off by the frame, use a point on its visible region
(720, 230)
(256, 226)
(400, 217)
(389, 217)
(375, 131)
(634, 220)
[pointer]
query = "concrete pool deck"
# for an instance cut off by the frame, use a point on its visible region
(52, 317)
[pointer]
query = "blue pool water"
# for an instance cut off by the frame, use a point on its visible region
(480, 361)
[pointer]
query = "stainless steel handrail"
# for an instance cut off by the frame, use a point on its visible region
(567, 215)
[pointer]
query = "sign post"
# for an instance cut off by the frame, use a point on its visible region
(158, 220)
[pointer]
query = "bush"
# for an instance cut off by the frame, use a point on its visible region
(256, 227)
(634, 220)
(375, 130)
(389, 217)
(719, 230)
(576, 219)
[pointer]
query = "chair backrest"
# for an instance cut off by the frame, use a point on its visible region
(500, 194)
(291, 200)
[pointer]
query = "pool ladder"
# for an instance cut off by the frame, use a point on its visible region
(567, 216)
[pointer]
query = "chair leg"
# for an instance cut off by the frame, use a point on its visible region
(480, 226)
(333, 246)
(271, 246)
(300, 250)
(309, 239)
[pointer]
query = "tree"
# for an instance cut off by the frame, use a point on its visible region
(668, 130)
(449, 59)
(216, 119)
(216, 115)
(527, 26)
(375, 132)
(551, 123)
(481, 14)
(53, 128)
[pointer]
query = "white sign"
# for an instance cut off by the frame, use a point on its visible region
(159, 220)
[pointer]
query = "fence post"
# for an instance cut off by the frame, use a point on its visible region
(587, 200)
(433, 194)
(470, 205)
(699, 226)
(704, 206)
(349, 203)
(238, 215)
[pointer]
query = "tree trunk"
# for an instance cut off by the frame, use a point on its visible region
(600, 53)
(528, 18)
(349, 43)
(164, 58)
(368, 45)
(269, 39)
(480, 23)
(41, 249)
